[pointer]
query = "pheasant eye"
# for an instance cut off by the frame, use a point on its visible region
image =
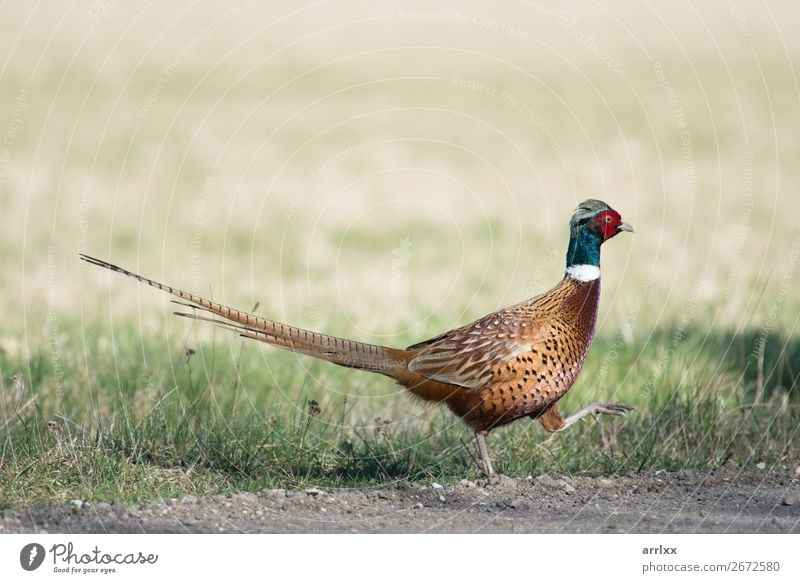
(608, 218)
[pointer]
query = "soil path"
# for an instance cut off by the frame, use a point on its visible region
(724, 500)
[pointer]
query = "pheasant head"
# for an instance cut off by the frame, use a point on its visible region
(592, 224)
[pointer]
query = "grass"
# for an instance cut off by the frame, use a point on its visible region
(369, 181)
(208, 433)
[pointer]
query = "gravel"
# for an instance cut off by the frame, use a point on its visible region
(723, 500)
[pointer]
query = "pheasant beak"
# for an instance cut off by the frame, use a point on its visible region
(625, 227)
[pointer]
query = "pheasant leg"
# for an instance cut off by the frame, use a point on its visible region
(484, 453)
(595, 409)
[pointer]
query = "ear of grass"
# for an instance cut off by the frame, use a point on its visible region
(703, 406)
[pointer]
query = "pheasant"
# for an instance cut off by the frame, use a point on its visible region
(517, 362)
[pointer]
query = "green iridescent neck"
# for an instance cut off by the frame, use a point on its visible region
(584, 247)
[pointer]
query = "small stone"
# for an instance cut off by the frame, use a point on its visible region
(403, 485)
(761, 466)
(437, 486)
(546, 481)
(560, 484)
(508, 481)
(466, 483)
(418, 505)
(789, 501)
(503, 481)
(797, 470)
(441, 498)
(76, 504)
(10, 516)
(313, 492)
(103, 507)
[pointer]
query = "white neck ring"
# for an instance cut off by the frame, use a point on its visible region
(584, 272)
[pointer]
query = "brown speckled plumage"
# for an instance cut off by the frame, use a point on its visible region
(517, 362)
(513, 363)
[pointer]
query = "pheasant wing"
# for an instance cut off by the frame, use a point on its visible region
(467, 356)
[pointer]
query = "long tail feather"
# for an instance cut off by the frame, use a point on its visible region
(360, 355)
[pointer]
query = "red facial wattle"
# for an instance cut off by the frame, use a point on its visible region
(608, 221)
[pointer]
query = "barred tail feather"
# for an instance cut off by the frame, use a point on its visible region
(358, 355)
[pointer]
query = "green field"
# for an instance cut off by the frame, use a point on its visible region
(385, 174)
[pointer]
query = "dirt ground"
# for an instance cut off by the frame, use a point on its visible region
(724, 500)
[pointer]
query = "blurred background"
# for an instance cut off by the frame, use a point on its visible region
(384, 173)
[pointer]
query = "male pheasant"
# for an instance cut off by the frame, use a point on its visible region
(517, 362)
